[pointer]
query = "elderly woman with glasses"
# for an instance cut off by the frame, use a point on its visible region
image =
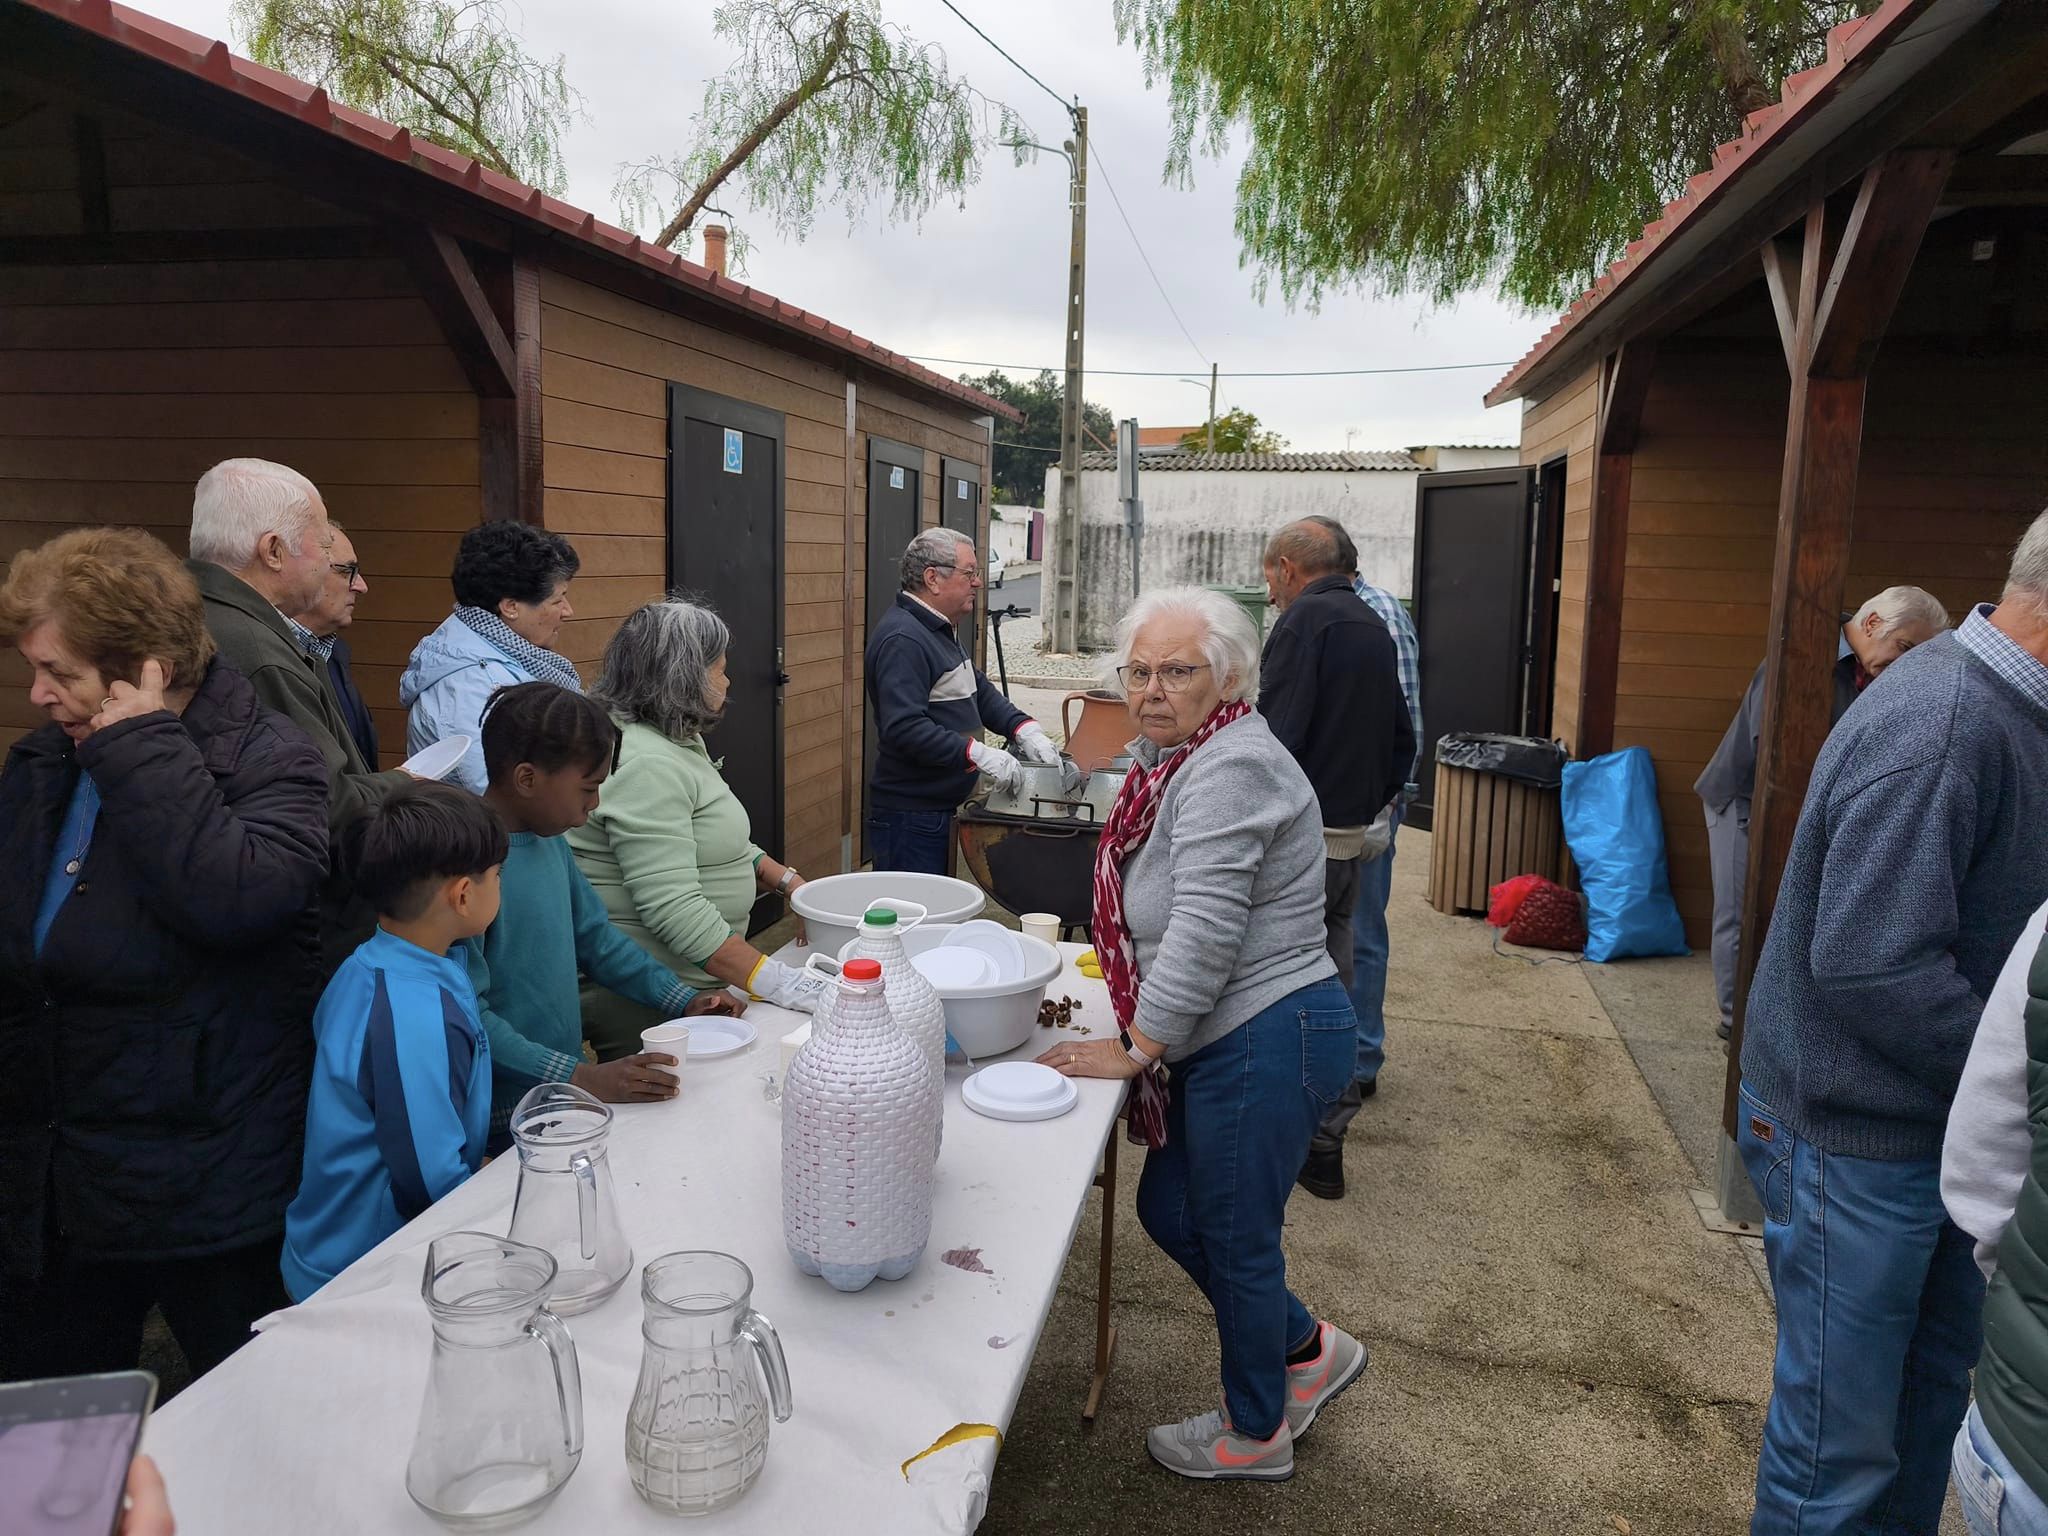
(668, 847)
(1209, 924)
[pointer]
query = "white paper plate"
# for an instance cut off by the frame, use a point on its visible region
(1019, 1090)
(951, 968)
(993, 940)
(713, 1034)
(439, 760)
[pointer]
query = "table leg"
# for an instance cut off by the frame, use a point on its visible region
(1105, 1335)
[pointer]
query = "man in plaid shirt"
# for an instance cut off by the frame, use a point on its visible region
(1369, 917)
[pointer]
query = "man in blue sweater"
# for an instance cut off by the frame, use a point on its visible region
(1916, 862)
(930, 706)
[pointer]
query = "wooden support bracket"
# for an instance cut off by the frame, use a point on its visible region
(1893, 205)
(449, 284)
(1624, 389)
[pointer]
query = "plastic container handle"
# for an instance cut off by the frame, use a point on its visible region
(586, 1202)
(822, 963)
(554, 1333)
(760, 1333)
(902, 909)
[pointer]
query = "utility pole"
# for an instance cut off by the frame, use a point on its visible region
(1212, 407)
(1067, 547)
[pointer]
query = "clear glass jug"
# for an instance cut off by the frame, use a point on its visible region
(565, 1203)
(501, 1426)
(697, 1431)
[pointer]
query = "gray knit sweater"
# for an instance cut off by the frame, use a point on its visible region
(1225, 898)
(1917, 860)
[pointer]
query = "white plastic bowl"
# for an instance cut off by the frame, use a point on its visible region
(997, 1016)
(832, 905)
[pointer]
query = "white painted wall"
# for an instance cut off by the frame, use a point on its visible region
(1009, 530)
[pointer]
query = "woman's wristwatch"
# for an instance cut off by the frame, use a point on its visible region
(789, 878)
(1131, 1048)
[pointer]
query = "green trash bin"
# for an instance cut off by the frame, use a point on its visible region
(1251, 599)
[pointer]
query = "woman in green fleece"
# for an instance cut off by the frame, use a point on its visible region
(668, 848)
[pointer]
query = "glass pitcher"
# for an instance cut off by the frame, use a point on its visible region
(697, 1432)
(501, 1426)
(565, 1203)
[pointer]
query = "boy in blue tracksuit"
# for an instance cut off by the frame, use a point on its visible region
(401, 1096)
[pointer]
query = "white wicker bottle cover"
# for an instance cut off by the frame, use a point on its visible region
(919, 1011)
(856, 1140)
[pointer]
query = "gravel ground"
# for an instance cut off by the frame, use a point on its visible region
(1027, 663)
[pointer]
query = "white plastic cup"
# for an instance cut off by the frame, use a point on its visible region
(1041, 925)
(670, 1039)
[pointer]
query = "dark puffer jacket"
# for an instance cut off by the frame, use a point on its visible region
(158, 1051)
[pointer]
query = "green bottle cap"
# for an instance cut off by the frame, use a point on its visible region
(880, 917)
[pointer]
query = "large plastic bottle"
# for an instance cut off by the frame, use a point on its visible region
(920, 1013)
(857, 1129)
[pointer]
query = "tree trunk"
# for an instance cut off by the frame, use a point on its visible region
(808, 87)
(1747, 91)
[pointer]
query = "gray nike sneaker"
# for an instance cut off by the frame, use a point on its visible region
(1205, 1446)
(1341, 1361)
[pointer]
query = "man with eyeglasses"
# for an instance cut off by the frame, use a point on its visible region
(931, 704)
(1330, 689)
(318, 626)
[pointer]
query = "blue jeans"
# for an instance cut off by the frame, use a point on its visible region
(1237, 1128)
(919, 842)
(1995, 1498)
(1879, 1322)
(1369, 960)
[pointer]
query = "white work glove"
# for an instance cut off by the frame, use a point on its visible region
(787, 987)
(1004, 769)
(1036, 745)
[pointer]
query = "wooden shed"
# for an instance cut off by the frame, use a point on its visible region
(202, 258)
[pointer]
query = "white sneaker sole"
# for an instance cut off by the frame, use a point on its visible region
(1274, 1474)
(1333, 1393)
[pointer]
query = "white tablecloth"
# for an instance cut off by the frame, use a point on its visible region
(307, 1428)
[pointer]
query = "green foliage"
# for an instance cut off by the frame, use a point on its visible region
(1019, 472)
(824, 100)
(450, 71)
(1237, 431)
(1434, 146)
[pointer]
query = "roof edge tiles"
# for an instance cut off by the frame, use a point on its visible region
(211, 62)
(1298, 462)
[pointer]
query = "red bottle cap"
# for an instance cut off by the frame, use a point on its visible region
(862, 970)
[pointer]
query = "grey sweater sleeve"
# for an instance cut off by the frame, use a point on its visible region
(1984, 1158)
(1225, 816)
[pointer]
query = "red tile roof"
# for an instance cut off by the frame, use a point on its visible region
(1800, 95)
(210, 60)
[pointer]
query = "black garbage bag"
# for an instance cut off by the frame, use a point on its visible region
(1527, 759)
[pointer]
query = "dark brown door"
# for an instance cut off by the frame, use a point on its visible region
(725, 545)
(894, 470)
(1546, 576)
(960, 510)
(1471, 608)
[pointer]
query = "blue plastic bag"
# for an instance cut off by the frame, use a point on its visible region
(1616, 834)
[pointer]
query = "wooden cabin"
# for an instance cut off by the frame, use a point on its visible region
(201, 258)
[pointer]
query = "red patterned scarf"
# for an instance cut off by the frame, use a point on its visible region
(1130, 821)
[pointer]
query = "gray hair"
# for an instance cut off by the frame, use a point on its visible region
(1312, 544)
(1230, 643)
(238, 501)
(1898, 606)
(2028, 578)
(934, 548)
(656, 666)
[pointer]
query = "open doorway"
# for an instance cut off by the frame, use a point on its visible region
(1546, 576)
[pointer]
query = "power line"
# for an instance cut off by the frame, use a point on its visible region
(1065, 105)
(1028, 447)
(1176, 373)
(1103, 167)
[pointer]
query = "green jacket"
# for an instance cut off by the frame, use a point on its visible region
(254, 640)
(668, 851)
(2012, 1373)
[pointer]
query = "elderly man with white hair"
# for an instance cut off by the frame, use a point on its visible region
(931, 704)
(1915, 867)
(1208, 920)
(1882, 631)
(263, 550)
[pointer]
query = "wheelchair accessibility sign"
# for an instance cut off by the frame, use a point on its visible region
(735, 451)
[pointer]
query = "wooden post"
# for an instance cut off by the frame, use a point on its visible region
(509, 426)
(852, 719)
(1837, 318)
(1624, 387)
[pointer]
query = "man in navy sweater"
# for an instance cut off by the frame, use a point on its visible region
(1916, 862)
(930, 707)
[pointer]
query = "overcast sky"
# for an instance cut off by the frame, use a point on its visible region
(986, 282)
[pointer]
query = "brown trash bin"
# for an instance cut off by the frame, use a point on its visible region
(1490, 827)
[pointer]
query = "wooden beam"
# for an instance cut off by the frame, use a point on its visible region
(509, 426)
(1893, 205)
(94, 216)
(852, 717)
(158, 246)
(449, 285)
(1998, 181)
(1624, 387)
(1781, 277)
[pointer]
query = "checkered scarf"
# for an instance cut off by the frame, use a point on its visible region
(1131, 817)
(534, 661)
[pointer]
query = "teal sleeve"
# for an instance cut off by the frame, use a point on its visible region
(512, 1054)
(612, 960)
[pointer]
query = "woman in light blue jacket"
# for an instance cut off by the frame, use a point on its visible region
(511, 599)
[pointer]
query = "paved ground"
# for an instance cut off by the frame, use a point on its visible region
(1558, 1345)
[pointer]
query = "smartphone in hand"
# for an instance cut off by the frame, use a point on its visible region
(65, 1445)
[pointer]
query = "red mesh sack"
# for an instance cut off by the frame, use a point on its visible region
(1549, 917)
(1505, 899)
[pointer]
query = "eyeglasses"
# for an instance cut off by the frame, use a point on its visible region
(347, 572)
(1174, 677)
(972, 574)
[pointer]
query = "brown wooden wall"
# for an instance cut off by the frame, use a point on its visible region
(1563, 423)
(1955, 463)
